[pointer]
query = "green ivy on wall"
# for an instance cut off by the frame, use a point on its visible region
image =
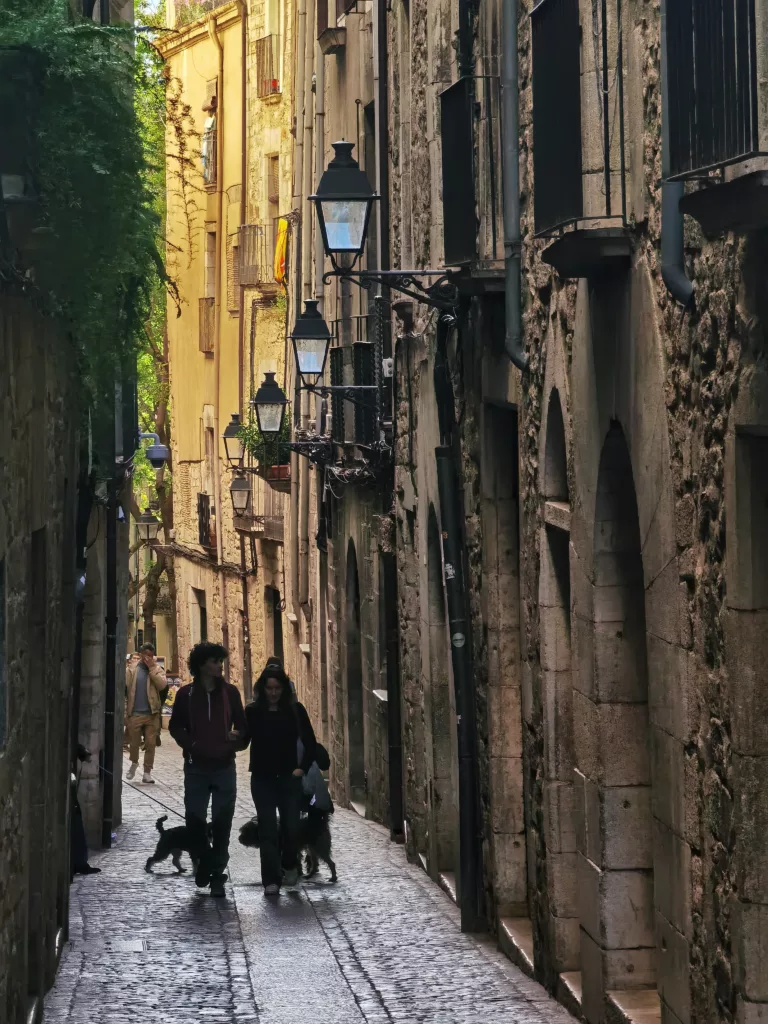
(96, 261)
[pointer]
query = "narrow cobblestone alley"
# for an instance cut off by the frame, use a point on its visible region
(382, 945)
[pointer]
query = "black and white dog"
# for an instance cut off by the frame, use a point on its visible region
(314, 840)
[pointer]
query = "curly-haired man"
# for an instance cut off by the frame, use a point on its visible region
(208, 723)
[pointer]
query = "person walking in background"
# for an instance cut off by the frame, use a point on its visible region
(276, 724)
(145, 681)
(209, 725)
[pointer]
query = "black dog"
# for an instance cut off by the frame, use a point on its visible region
(172, 843)
(314, 840)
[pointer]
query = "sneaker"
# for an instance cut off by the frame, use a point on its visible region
(132, 770)
(86, 869)
(148, 780)
(290, 877)
(217, 885)
(271, 890)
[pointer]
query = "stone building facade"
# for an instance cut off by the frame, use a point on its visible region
(232, 67)
(609, 500)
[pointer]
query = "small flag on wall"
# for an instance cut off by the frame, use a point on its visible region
(281, 250)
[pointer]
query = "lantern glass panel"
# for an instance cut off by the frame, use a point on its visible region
(345, 222)
(270, 415)
(241, 498)
(310, 355)
(235, 449)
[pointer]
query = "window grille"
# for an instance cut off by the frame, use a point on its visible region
(267, 64)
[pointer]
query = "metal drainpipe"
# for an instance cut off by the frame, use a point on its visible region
(247, 661)
(319, 167)
(672, 239)
(307, 290)
(447, 457)
(510, 171)
(214, 34)
(301, 240)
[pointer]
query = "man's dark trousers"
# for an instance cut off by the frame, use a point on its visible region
(219, 785)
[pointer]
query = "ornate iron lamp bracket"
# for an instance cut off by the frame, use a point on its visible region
(440, 293)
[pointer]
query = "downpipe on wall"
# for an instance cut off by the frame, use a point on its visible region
(510, 171)
(672, 238)
(213, 31)
(447, 457)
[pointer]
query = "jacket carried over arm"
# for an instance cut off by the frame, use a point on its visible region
(202, 720)
(156, 683)
(274, 736)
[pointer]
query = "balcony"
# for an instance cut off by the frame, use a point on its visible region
(188, 11)
(257, 255)
(578, 138)
(718, 119)
(331, 37)
(207, 326)
(266, 53)
(470, 118)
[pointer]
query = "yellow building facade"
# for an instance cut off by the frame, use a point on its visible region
(229, 182)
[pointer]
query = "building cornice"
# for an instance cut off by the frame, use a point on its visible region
(178, 40)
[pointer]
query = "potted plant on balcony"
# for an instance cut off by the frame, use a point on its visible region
(270, 454)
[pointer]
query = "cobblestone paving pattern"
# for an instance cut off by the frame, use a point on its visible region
(382, 946)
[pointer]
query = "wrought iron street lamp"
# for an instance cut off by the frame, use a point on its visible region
(148, 527)
(270, 403)
(240, 492)
(344, 200)
(311, 339)
(233, 442)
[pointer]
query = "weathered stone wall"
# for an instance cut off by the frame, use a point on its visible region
(38, 490)
(669, 379)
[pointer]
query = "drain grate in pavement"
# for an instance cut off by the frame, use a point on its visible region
(122, 946)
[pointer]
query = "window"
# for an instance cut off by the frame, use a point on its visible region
(267, 61)
(210, 452)
(208, 149)
(198, 616)
(273, 202)
(233, 274)
(3, 676)
(210, 265)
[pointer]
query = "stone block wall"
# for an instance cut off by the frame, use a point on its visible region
(38, 493)
(670, 788)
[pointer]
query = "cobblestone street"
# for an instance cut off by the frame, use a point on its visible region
(382, 945)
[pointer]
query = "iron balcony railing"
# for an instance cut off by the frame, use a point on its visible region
(579, 175)
(257, 254)
(208, 155)
(188, 11)
(714, 66)
(267, 65)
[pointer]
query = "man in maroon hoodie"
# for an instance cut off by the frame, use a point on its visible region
(208, 723)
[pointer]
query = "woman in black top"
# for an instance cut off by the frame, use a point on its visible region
(276, 721)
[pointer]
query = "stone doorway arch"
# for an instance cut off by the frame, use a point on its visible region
(612, 750)
(443, 793)
(557, 687)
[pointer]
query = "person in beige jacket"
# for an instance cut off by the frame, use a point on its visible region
(143, 683)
